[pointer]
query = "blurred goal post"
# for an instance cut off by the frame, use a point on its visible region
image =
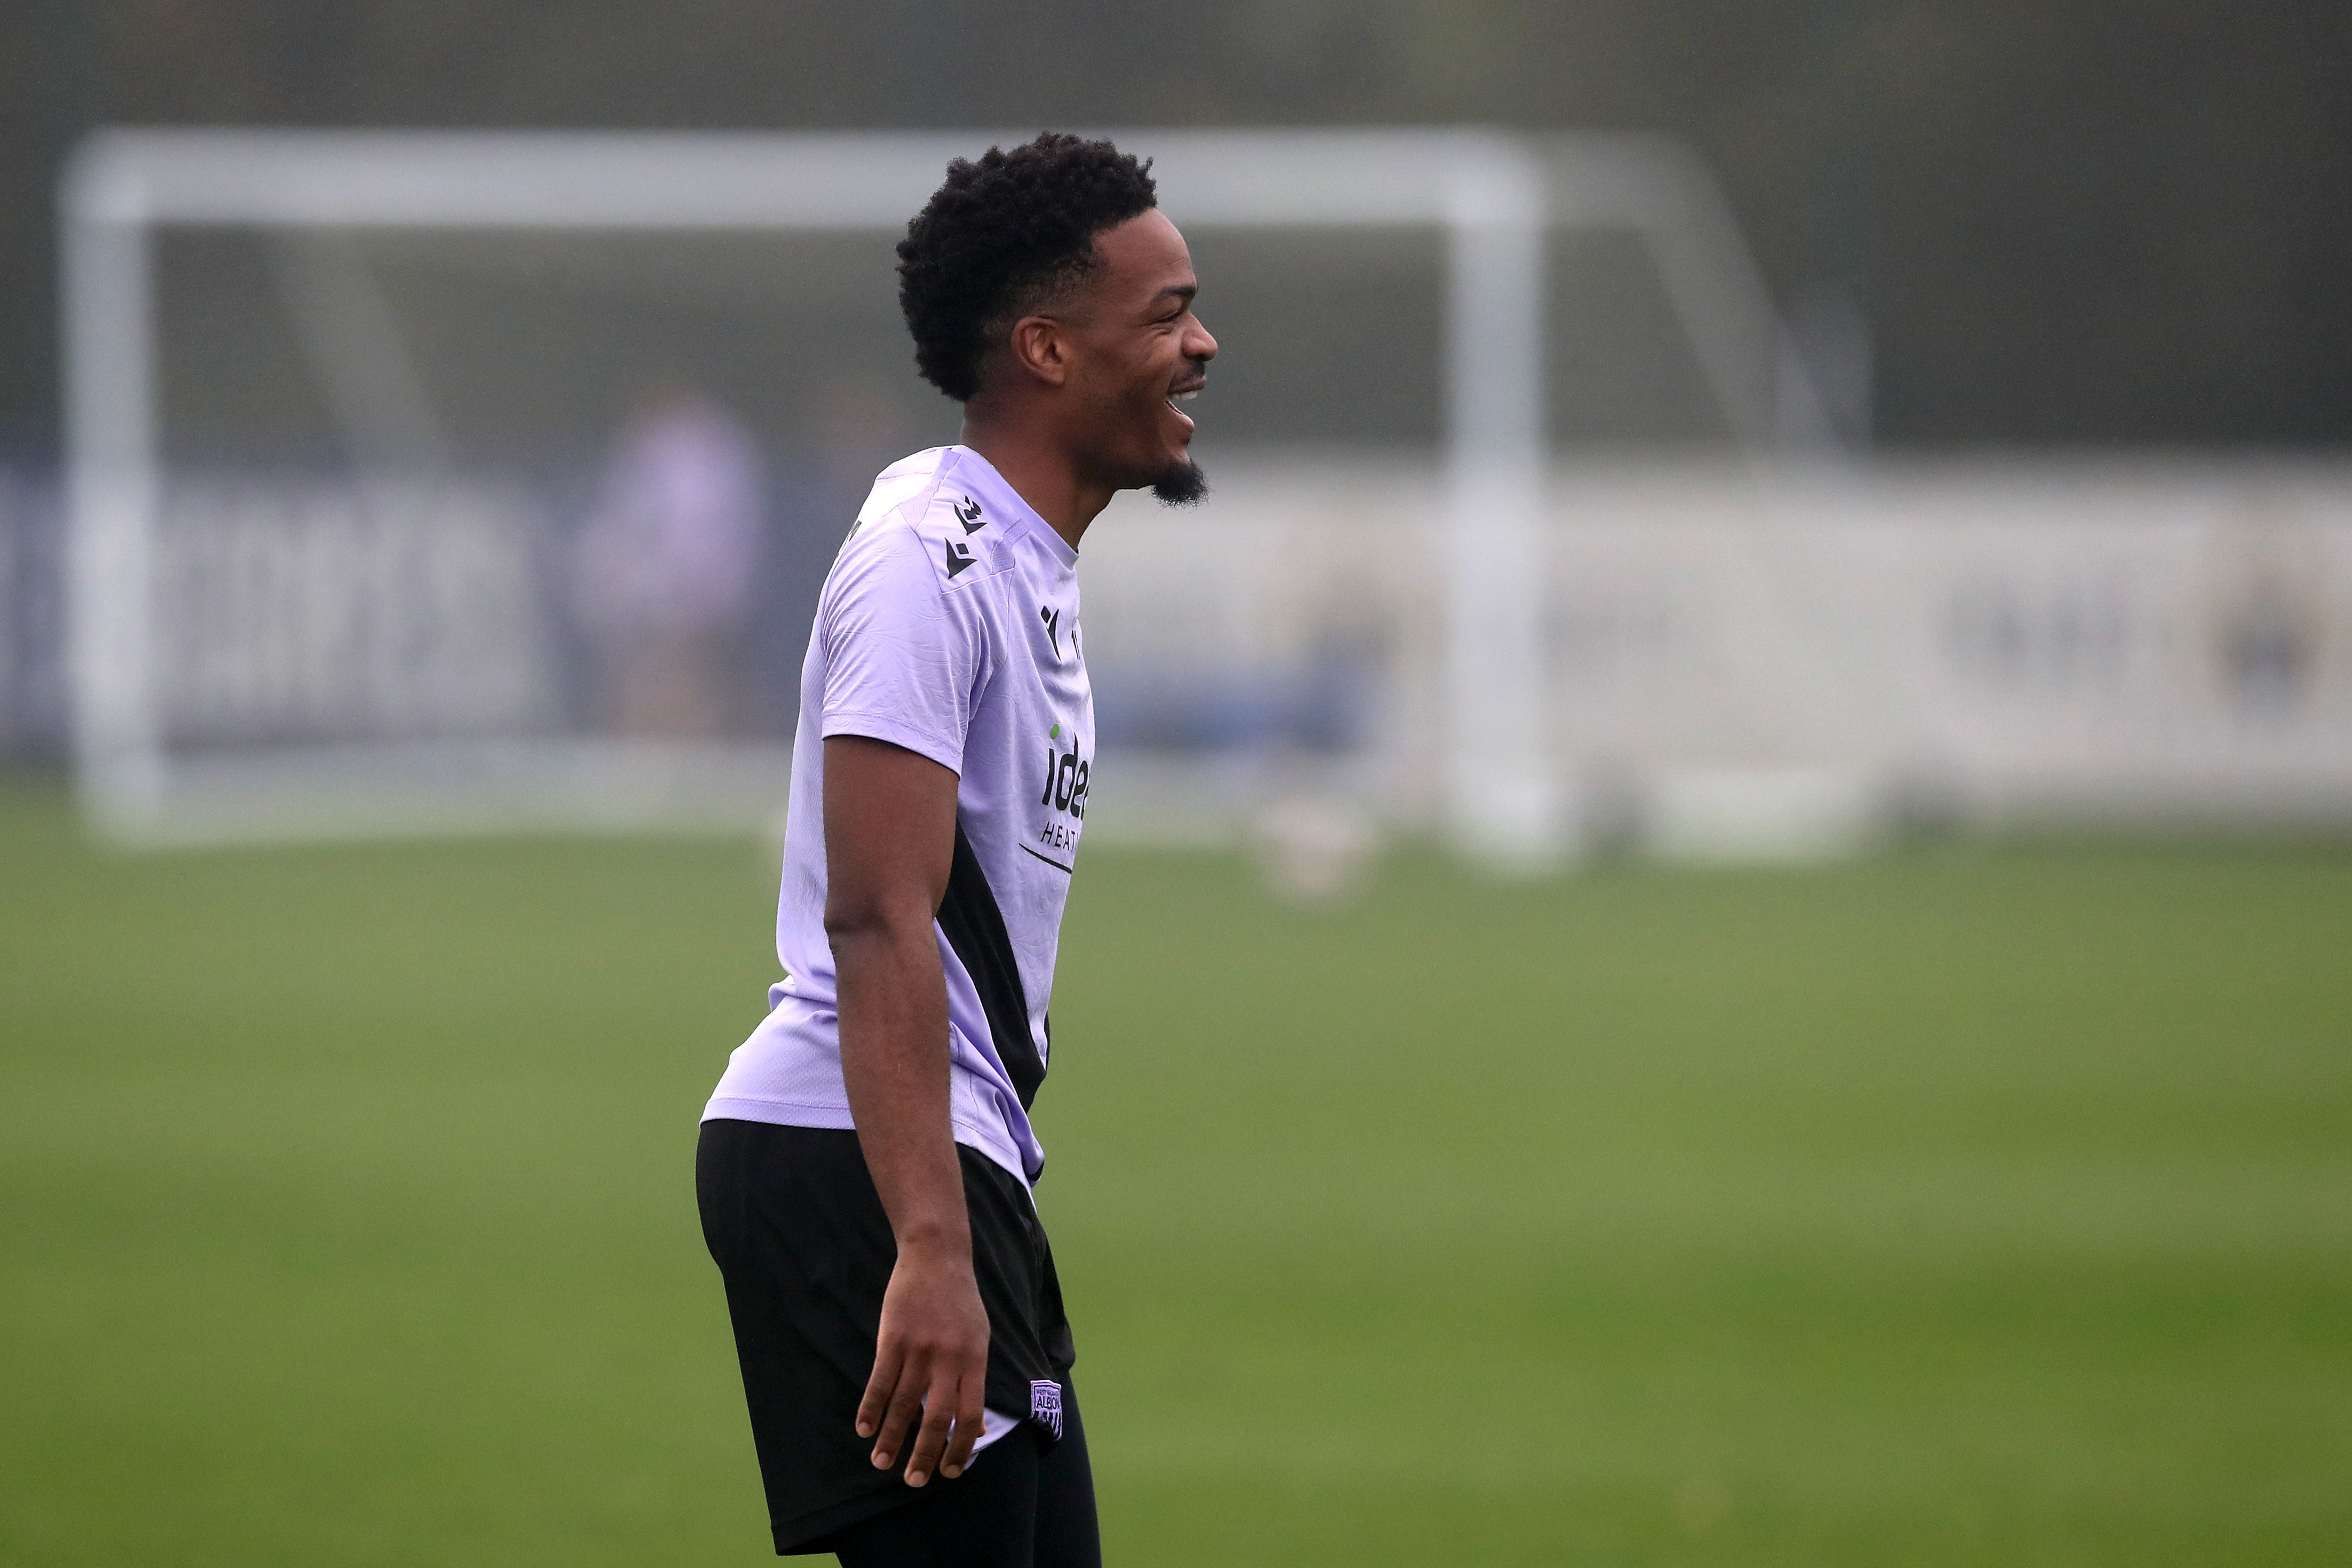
(1494, 198)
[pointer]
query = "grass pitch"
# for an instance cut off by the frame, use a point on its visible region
(1944, 1209)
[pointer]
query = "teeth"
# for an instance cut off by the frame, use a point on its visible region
(1186, 397)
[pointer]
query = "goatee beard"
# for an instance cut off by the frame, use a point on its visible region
(1182, 486)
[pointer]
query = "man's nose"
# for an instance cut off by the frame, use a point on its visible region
(1200, 345)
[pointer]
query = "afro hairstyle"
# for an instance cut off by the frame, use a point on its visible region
(1002, 236)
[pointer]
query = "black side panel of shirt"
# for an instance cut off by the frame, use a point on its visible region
(974, 928)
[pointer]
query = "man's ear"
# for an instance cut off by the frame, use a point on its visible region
(1041, 349)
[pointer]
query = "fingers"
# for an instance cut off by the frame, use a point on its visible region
(876, 1401)
(935, 1431)
(969, 1422)
(898, 1420)
(939, 1411)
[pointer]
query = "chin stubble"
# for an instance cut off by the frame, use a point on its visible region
(1182, 486)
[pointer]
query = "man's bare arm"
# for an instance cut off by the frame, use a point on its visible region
(890, 840)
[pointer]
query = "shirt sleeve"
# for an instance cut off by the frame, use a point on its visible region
(904, 662)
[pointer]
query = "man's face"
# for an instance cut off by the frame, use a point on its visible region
(1138, 349)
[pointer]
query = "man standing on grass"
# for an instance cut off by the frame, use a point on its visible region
(866, 1163)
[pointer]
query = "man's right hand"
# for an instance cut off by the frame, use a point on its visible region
(930, 1364)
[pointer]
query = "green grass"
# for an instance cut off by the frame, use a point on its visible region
(1989, 1208)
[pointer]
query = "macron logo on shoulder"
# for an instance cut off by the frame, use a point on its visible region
(959, 557)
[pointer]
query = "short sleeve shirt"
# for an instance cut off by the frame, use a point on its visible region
(948, 625)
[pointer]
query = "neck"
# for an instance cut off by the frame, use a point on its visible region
(1039, 469)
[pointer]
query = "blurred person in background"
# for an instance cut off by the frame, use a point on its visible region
(851, 429)
(667, 565)
(866, 1163)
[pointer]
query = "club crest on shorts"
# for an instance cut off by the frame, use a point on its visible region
(1045, 1404)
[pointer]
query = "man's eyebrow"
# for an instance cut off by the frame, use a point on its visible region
(1187, 292)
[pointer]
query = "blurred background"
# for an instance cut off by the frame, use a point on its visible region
(1895, 1104)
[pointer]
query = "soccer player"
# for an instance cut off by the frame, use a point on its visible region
(866, 1163)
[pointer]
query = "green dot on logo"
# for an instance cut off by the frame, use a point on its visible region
(1055, 733)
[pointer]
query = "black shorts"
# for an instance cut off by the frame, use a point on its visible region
(802, 1240)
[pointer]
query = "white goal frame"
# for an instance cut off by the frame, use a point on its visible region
(1495, 197)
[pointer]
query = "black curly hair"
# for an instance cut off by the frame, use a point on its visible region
(1002, 236)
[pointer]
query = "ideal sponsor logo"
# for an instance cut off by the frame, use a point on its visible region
(1066, 789)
